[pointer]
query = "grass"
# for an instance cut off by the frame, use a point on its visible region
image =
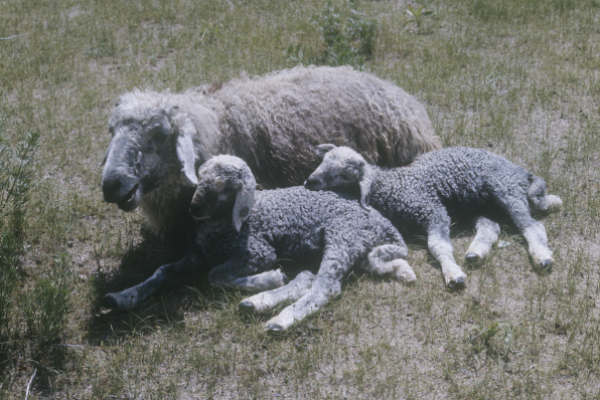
(517, 77)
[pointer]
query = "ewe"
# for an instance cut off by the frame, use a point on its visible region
(272, 122)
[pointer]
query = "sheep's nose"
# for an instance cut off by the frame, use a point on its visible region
(118, 188)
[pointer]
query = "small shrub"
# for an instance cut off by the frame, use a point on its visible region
(15, 182)
(348, 38)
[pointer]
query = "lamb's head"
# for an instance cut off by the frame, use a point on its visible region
(342, 169)
(152, 142)
(225, 191)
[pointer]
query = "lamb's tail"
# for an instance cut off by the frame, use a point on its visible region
(538, 197)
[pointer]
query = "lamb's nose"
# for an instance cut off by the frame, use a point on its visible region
(311, 183)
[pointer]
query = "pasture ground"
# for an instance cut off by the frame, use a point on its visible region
(521, 78)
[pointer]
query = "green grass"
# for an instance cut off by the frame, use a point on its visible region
(517, 77)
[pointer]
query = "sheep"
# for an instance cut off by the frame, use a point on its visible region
(272, 122)
(418, 194)
(250, 229)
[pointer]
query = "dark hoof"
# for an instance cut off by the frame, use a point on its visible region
(546, 266)
(458, 284)
(119, 302)
(246, 306)
(473, 259)
(110, 300)
(274, 328)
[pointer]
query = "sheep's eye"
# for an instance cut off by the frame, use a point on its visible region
(158, 134)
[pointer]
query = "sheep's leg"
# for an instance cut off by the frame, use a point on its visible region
(486, 234)
(533, 231)
(438, 241)
(325, 287)
(390, 259)
(133, 296)
(240, 272)
(293, 290)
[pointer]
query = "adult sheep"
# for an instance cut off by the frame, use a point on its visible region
(272, 122)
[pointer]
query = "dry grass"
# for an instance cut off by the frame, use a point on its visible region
(521, 78)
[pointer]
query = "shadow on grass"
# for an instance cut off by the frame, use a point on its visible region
(166, 307)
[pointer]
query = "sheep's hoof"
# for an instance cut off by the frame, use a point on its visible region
(546, 265)
(274, 328)
(473, 259)
(119, 301)
(457, 283)
(246, 306)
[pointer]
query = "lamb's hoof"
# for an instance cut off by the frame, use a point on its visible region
(457, 283)
(472, 258)
(246, 306)
(546, 265)
(274, 328)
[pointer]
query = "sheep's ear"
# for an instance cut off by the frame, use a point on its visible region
(244, 201)
(105, 156)
(323, 149)
(365, 185)
(185, 150)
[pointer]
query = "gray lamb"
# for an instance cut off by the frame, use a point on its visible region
(244, 232)
(419, 193)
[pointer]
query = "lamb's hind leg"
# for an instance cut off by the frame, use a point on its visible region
(293, 290)
(438, 241)
(390, 259)
(326, 285)
(533, 231)
(486, 234)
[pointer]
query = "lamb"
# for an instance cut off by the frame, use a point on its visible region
(420, 193)
(272, 122)
(250, 229)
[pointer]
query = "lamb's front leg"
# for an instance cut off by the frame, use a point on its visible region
(131, 297)
(486, 234)
(438, 241)
(240, 271)
(325, 287)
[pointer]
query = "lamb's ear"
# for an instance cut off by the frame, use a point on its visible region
(244, 200)
(365, 185)
(323, 149)
(185, 148)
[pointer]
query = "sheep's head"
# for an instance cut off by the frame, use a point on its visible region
(225, 191)
(150, 142)
(341, 169)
